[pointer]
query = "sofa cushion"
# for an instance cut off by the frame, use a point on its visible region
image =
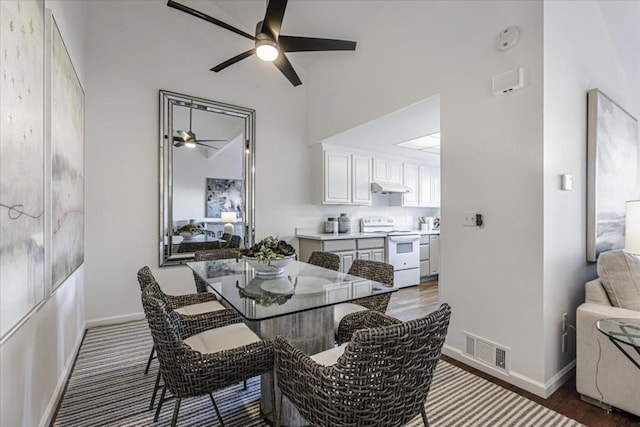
(619, 273)
(594, 293)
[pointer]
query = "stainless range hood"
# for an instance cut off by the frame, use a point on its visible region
(388, 187)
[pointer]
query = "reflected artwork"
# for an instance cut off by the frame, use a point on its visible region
(224, 195)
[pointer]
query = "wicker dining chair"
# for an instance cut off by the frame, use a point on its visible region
(226, 240)
(187, 305)
(381, 377)
(234, 241)
(201, 354)
(325, 259)
(349, 316)
(212, 255)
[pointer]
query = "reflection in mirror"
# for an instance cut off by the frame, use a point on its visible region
(206, 176)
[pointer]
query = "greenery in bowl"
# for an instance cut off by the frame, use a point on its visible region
(268, 249)
(190, 228)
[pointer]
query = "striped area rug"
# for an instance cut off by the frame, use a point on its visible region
(108, 388)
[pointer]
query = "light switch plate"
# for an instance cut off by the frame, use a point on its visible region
(469, 219)
(566, 182)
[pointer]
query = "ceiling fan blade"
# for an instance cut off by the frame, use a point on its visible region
(311, 44)
(233, 60)
(208, 146)
(208, 18)
(286, 68)
(273, 18)
(211, 140)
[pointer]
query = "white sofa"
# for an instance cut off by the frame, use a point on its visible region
(604, 376)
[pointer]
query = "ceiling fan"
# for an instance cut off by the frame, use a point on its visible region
(188, 138)
(270, 45)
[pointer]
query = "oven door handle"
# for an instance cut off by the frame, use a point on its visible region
(403, 239)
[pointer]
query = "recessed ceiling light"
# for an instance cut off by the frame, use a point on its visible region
(422, 142)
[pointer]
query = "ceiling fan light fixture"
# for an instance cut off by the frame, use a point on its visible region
(191, 144)
(267, 50)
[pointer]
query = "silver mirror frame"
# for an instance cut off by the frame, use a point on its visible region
(167, 101)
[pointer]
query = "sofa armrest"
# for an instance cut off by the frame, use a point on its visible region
(603, 372)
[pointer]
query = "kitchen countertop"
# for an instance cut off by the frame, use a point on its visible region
(334, 236)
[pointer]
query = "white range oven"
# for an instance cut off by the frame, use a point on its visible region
(402, 249)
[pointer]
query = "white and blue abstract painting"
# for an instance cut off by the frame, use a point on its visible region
(22, 284)
(614, 172)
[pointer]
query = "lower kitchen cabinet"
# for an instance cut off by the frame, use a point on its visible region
(434, 254)
(369, 248)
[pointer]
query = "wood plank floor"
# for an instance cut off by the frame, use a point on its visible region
(416, 301)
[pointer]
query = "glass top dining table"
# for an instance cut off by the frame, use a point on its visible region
(301, 287)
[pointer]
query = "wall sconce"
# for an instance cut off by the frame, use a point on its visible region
(632, 227)
(229, 218)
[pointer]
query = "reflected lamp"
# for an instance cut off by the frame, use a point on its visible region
(632, 227)
(229, 218)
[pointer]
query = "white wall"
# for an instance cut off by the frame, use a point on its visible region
(491, 150)
(579, 55)
(36, 359)
(133, 52)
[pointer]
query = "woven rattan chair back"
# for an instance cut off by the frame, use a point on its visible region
(378, 271)
(382, 379)
(226, 240)
(216, 254)
(325, 259)
(234, 241)
(149, 284)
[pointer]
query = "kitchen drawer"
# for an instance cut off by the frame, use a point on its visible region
(424, 268)
(340, 245)
(424, 252)
(373, 243)
(424, 239)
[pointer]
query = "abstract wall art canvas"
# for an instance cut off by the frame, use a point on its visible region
(67, 162)
(224, 195)
(22, 284)
(613, 172)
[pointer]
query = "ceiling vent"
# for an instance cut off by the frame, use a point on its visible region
(487, 352)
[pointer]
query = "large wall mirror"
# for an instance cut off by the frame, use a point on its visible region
(207, 164)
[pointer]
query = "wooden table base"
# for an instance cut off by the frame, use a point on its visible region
(312, 332)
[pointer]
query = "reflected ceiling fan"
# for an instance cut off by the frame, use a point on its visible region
(188, 138)
(269, 44)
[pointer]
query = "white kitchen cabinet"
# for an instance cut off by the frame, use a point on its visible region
(428, 186)
(346, 259)
(395, 172)
(346, 178)
(337, 177)
(387, 170)
(369, 248)
(410, 178)
(434, 254)
(361, 180)
(377, 255)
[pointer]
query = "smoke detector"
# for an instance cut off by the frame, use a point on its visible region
(508, 38)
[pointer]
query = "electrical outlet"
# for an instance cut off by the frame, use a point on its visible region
(565, 342)
(565, 322)
(469, 219)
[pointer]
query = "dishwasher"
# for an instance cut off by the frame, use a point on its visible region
(424, 256)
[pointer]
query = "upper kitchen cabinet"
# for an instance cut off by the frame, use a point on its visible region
(411, 179)
(424, 182)
(429, 186)
(345, 178)
(387, 170)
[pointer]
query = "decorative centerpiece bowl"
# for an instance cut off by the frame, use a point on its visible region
(269, 256)
(190, 231)
(271, 268)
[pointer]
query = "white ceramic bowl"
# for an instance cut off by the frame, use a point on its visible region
(269, 269)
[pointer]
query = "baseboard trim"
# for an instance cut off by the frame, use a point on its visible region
(113, 320)
(52, 406)
(512, 377)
